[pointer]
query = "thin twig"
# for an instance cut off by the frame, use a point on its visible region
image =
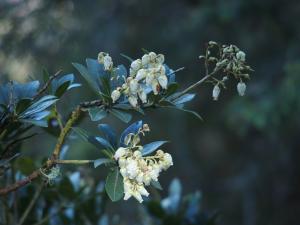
(31, 204)
(47, 84)
(71, 161)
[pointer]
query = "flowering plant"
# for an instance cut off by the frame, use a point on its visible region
(148, 83)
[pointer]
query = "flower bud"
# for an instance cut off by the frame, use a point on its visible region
(145, 60)
(133, 85)
(136, 65)
(107, 62)
(216, 92)
(241, 56)
(120, 152)
(143, 96)
(141, 74)
(133, 101)
(160, 58)
(163, 81)
(101, 57)
(115, 95)
(146, 127)
(152, 56)
(241, 88)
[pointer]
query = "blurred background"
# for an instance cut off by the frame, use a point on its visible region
(244, 155)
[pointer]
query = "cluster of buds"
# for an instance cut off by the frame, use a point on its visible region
(147, 72)
(231, 61)
(138, 171)
(106, 60)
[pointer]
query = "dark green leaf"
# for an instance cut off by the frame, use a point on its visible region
(114, 185)
(151, 147)
(101, 161)
(124, 116)
(85, 74)
(22, 105)
(97, 114)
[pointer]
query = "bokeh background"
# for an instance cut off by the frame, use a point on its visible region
(244, 156)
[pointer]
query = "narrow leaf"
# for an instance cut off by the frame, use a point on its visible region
(124, 116)
(101, 161)
(151, 147)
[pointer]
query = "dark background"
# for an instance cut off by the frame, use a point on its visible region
(244, 155)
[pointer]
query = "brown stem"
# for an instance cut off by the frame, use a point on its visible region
(47, 84)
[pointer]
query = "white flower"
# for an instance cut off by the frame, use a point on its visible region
(101, 57)
(137, 196)
(160, 58)
(133, 101)
(142, 190)
(134, 86)
(150, 77)
(155, 86)
(132, 168)
(152, 56)
(241, 56)
(145, 60)
(142, 95)
(241, 88)
(120, 152)
(107, 62)
(136, 65)
(167, 161)
(154, 172)
(141, 74)
(163, 81)
(216, 92)
(115, 95)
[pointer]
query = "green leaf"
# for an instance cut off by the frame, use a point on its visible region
(124, 116)
(172, 88)
(62, 89)
(97, 114)
(81, 133)
(101, 161)
(46, 75)
(86, 75)
(114, 185)
(151, 147)
(105, 86)
(186, 110)
(22, 105)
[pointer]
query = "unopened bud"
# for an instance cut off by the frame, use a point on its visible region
(241, 88)
(216, 92)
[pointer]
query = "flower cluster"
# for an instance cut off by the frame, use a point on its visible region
(231, 61)
(106, 60)
(147, 73)
(137, 170)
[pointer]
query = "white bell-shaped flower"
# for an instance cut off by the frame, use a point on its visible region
(216, 92)
(115, 95)
(241, 88)
(107, 62)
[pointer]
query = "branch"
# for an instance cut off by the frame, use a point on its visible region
(73, 161)
(35, 174)
(46, 85)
